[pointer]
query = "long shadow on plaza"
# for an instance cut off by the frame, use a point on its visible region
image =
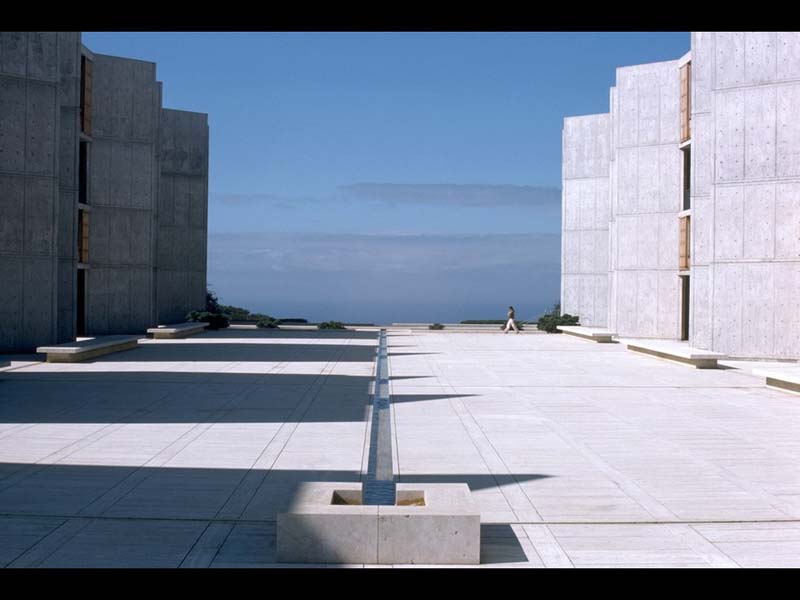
(169, 397)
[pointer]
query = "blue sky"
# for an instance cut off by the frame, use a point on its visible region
(387, 176)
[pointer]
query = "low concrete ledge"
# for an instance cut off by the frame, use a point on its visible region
(89, 348)
(603, 336)
(4, 364)
(787, 379)
(675, 351)
(181, 330)
(431, 524)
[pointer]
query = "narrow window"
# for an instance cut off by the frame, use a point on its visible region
(83, 173)
(687, 178)
(685, 307)
(86, 95)
(83, 236)
(684, 257)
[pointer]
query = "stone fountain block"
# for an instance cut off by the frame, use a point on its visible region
(432, 523)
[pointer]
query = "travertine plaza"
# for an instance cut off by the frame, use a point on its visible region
(186, 452)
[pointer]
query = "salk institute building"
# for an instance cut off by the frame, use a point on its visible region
(103, 195)
(681, 205)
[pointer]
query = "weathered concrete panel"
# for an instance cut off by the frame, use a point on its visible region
(140, 236)
(702, 175)
(702, 72)
(669, 297)
(570, 294)
(141, 169)
(586, 306)
(702, 236)
(728, 308)
(788, 55)
(759, 221)
(758, 288)
(69, 68)
(730, 59)
(728, 223)
(11, 274)
(43, 55)
(670, 185)
(788, 130)
(760, 121)
(12, 124)
(729, 146)
(787, 218)
(647, 304)
(667, 246)
(649, 190)
(760, 56)
(570, 198)
(627, 165)
(626, 287)
(700, 296)
(39, 198)
(586, 252)
(12, 228)
(647, 242)
(14, 53)
(627, 128)
(41, 122)
(37, 302)
(120, 176)
(627, 242)
(787, 317)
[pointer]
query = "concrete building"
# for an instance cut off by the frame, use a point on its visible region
(695, 181)
(103, 195)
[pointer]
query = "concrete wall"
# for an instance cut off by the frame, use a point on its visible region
(37, 168)
(746, 193)
(123, 184)
(585, 218)
(182, 214)
(646, 197)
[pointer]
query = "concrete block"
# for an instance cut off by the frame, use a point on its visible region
(40, 134)
(730, 59)
(14, 53)
(97, 300)
(669, 109)
(758, 288)
(12, 201)
(68, 148)
(144, 107)
(729, 142)
(788, 131)
(140, 235)
(787, 216)
(649, 105)
(759, 220)
(647, 304)
(594, 334)
(587, 199)
(141, 299)
(121, 176)
(37, 302)
(12, 123)
(602, 212)
(570, 294)
(728, 222)
(89, 348)
(788, 55)
(677, 351)
(572, 251)
(571, 201)
(586, 306)
(166, 193)
(39, 199)
(100, 171)
(446, 530)
(727, 309)
(119, 235)
(760, 56)
(11, 274)
(601, 294)
(176, 331)
(760, 136)
(69, 43)
(586, 263)
(628, 108)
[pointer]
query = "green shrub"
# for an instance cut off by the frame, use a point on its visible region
(331, 325)
(214, 320)
(267, 322)
(293, 321)
(436, 326)
(550, 321)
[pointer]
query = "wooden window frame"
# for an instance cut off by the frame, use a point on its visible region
(684, 243)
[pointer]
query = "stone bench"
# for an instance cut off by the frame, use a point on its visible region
(676, 351)
(86, 348)
(180, 330)
(784, 379)
(595, 334)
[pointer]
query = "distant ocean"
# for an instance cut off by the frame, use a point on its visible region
(383, 314)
